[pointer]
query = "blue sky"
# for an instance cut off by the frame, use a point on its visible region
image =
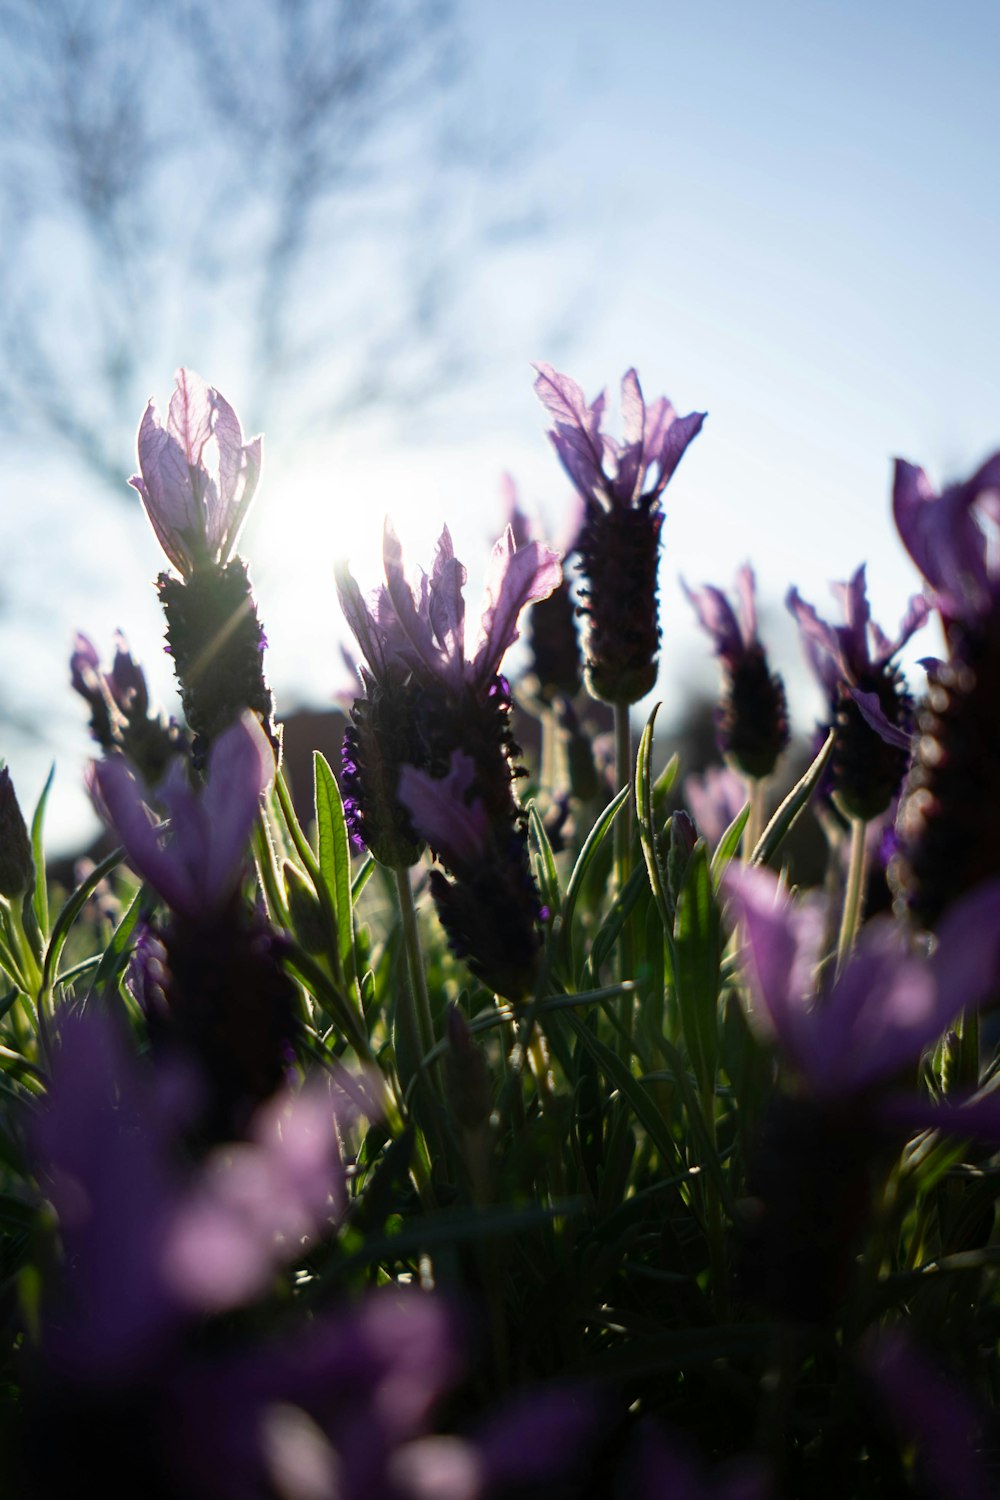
(785, 214)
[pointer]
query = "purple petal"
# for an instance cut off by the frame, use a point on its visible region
(240, 769)
(514, 516)
(455, 824)
(517, 576)
(942, 536)
(103, 1141)
(446, 606)
(747, 603)
(577, 433)
(853, 599)
(360, 618)
(821, 642)
(871, 712)
(189, 418)
(415, 624)
(781, 948)
(715, 615)
(166, 490)
(677, 437)
(121, 796)
(715, 797)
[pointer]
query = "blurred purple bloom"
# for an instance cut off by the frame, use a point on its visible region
(627, 474)
(934, 1414)
(199, 866)
(715, 798)
(152, 1245)
(857, 655)
(198, 476)
(887, 1005)
(658, 1468)
(945, 535)
(105, 1141)
(321, 1413)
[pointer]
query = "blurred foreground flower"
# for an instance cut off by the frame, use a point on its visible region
(142, 1401)
(810, 1175)
(870, 706)
(227, 1000)
(752, 720)
(197, 480)
(948, 828)
(619, 544)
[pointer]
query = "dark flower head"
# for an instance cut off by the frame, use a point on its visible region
(120, 716)
(17, 865)
(752, 720)
(198, 476)
(870, 705)
(619, 543)
(425, 697)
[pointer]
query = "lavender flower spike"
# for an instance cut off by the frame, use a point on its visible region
(198, 868)
(870, 705)
(752, 720)
(621, 485)
(198, 476)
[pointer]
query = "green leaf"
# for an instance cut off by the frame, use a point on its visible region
(72, 909)
(622, 908)
(791, 809)
(696, 958)
(595, 840)
(366, 870)
(639, 1099)
(335, 858)
(39, 896)
(729, 843)
(112, 959)
(645, 817)
(548, 875)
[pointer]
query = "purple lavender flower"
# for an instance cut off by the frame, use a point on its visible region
(120, 717)
(197, 870)
(715, 798)
(887, 1005)
(17, 864)
(949, 820)
(621, 485)
(229, 1003)
(143, 1402)
(198, 476)
(430, 705)
(945, 535)
(198, 479)
(553, 641)
(870, 706)
(810, 1175)
(752, 720)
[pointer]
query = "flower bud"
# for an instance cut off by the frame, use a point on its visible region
(17, 867)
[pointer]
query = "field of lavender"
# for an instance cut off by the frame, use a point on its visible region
(521, 1122)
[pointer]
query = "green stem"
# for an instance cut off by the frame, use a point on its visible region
(854, 894)
(416, 1015)
(757, 796)
(624, 776)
